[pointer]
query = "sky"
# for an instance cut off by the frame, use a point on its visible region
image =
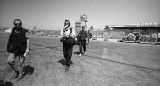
(50, 14)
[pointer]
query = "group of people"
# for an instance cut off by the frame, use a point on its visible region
(18, 45)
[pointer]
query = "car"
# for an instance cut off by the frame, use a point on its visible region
(135, 36)
(94, 38)
(129, 37)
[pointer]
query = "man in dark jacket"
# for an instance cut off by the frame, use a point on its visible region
(18, 46)
(89, 36)
(82, 37)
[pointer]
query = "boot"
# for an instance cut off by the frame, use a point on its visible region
(16, 74)
(67, 67)
(21, 70)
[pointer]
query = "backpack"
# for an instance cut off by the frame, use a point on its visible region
(63, 39)
(68, 40)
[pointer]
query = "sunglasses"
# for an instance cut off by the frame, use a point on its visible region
(17, 24)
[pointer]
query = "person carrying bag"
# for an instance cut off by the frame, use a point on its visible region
(18, 46)
(68, 40)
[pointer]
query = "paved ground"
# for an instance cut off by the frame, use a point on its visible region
(104, 64)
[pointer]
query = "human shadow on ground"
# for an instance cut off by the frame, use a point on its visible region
(5, 83)
(28, 70)
(62, 61)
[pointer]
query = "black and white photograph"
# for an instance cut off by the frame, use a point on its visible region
(79, 42)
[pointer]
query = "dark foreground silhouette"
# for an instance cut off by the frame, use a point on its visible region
(5, 83)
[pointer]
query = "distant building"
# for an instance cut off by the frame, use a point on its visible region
(144, 30)
(81, 22)
(78, 25)
(118, 32)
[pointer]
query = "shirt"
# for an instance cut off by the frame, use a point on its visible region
(66, 32)
(82, 35)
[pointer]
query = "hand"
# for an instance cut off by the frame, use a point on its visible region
(76, 39)
(86, 42)
(27, 51)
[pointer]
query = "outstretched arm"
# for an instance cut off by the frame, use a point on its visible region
(61, 33)
(27, 36)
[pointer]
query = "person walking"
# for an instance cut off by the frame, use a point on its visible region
(82, 37)
(67, 32)
(89, 36)
(18, 46)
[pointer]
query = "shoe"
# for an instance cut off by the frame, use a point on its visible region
(67, 67)
(21, 72)
(80, 54)
(16, 74)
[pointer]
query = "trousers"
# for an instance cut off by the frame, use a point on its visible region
(67, 52)
(82, 44)
(16, 62)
